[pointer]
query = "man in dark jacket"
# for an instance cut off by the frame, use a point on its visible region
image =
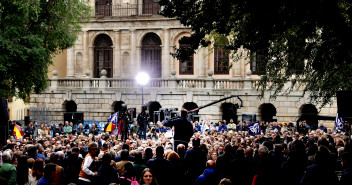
(72, 166)
(29, 130)
(346, 160)
(195, 160)
(209, 176)
(183, 129)
(160, 166)
(223, 162)
(143, 119)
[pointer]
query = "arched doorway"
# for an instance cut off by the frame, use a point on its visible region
(71, 106)
(117, 106)
(152, 107)
(229, 111)
(309, 113)
(103, 56)
(151, 55)
(268, 112)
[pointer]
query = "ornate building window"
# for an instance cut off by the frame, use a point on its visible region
(257, 63)
(103, 56)
(186, 67)
(103, 7)
(151, 55)
(151, 7)
(221, 57)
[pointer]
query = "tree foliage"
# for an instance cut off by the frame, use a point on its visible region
(309, 42)
(31, 33)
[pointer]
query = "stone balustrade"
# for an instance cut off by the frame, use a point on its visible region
(173, 83)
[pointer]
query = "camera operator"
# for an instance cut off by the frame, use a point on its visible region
(153, 134)
(183, 129)
(143, 119)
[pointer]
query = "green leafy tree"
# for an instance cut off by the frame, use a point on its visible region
(306, 42)
(31, 33)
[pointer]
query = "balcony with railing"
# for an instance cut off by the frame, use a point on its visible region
(126, 9)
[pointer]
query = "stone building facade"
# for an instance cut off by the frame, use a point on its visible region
(126, 37)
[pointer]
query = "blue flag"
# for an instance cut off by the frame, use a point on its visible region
(254, 128)
(114, 118)
(338, 122)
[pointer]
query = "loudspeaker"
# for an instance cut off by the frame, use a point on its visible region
(156, 116)
(229, 111)
(4, 112)
(75, 117)
(3, 134)
(26, 120)
(344, 102)
(133, 112)
(4, 121)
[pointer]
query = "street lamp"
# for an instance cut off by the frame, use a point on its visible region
(142, 79)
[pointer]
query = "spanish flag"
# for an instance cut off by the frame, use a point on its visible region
(110, 127)
(17, 131)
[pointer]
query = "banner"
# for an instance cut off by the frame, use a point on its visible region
(254, 128)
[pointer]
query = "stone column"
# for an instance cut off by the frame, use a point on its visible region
(201, 63)
(134, 65)
(70, 62)
(165, 64)
(85, 51)
(117, 54)
(91, 59)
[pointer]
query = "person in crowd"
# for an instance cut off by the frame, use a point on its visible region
(128, 175)
(160, 166)
(196, 126)
(8, 170)
(147, 177)
(143, 119)
(223, 162)
(138, 165)
(107, 174)
(37, 171)
(49, 173)
(22, 171)
(303, 128)
(124, 147)
(135, 128)
(29, 130)
(56, 130)
(148, 154)
(346, 160)
(94, 130)
(80, 130)
(322, 127)
(177, 168)
(86, 174)
(195, 161)
(124, 159)
(67, 128)
(72, 166)
(182, 127)
(36, 132)
(209, 176)
(231, 125)
(153, 134)
(222, 127)
(322, 167)
(160, 129)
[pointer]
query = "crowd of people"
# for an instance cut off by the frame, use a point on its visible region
(217, 153)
